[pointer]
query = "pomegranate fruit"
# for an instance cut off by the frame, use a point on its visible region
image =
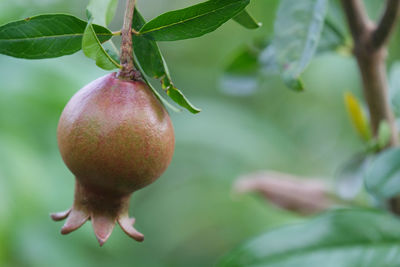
(115, 137)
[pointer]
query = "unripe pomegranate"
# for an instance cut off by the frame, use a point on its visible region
(116, 137)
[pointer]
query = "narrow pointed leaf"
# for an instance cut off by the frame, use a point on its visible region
(158, 95)
(93, 49)
(151, 61)
(103, 11)
(192, 21)
(246, 20)
(357, 116)
(46, 36)
(297, 32)
(161, 98)
(181, 100)
(342, 238)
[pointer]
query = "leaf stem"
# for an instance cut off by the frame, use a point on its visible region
(135, 32)
(128, 71)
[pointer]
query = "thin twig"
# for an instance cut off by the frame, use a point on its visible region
(356, 16)
(386, 24)
(370, 51)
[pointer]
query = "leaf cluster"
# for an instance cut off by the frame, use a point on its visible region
(56, 35)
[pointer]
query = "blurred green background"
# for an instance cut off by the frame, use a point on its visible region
(190, 216)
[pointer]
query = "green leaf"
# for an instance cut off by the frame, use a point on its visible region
(341, 238)
(147, 51)
(181, 100)
(245, 61)
(350, 177)
(93, 49)
(103, 11)
(152, 63)
(332, 38)
(46, 36)
(241, 74)
(335, 36)
(394, 92)
(382, 178)
(268, 62)
(384, 134)
(296, 34)
(112, 50)
(246, 20)
(160, 97)
(193, 21)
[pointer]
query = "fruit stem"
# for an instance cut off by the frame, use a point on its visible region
(128, 71)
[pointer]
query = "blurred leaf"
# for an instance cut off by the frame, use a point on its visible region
(103, 11)
(357, 116)
(382, 177)
(297, 31)
(384, 134)
(192, 21)
(245, 61)
(394, 83)
(349, 177)
(267, 60)
(46, 36)
(332, 39)
(246, 20)
(340, 238)
(151, 61)
(335, 36)
(93, 49)
(241, 74)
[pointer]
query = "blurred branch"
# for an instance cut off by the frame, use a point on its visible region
(386, 24)
(370, 51)
(300, 195)
(356, 16)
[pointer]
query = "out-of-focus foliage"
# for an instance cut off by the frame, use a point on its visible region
(382, 177)
(357, 116)
(189, 216)
(344, 238)
(298, 28)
